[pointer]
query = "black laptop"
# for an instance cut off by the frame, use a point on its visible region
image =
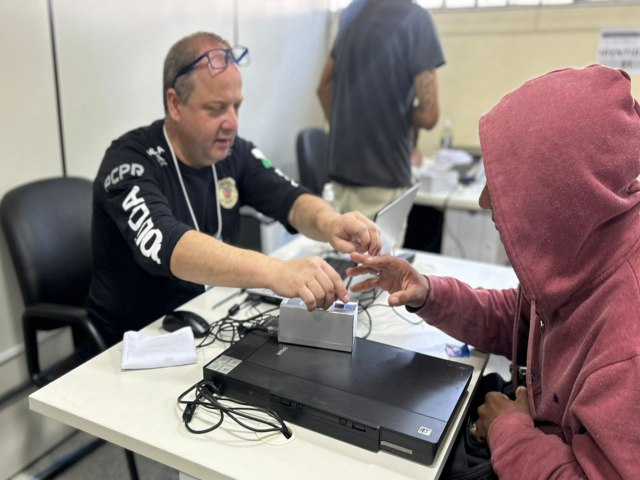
(378, 397)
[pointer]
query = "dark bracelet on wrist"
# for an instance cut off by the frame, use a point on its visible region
(414, 309)
(411, 309)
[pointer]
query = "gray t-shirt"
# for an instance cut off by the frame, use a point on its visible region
(380, 47)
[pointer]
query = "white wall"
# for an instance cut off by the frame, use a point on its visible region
(28, 125)
(286, 64)
(490, 52)
(110, 57)
(110, 62)
(30, 150)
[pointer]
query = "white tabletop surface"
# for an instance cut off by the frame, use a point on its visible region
(463, 197)
(138, 409)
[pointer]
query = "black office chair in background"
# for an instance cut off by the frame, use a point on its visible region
(312, 148)
(47, 225)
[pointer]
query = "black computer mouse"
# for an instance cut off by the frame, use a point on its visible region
(183, 318)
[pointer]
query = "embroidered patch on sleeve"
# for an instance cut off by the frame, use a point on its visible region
(256, 152)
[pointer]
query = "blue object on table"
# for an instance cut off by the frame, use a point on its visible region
(457, 350)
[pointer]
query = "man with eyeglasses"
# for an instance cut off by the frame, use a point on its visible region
(167, 199)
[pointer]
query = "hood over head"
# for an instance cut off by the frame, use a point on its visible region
(562, 157)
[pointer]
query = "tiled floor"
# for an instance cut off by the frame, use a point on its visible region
(107, 462)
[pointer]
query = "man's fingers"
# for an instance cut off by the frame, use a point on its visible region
(324, 287)
(334, 283)
(358, 257)
(368, 235)
(308, 298)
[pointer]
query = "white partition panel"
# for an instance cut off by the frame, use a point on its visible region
(288, 44)
(110, 57)
(28, 129)
(30, 151)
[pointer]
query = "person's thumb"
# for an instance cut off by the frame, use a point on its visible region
(398, 298)
(521, 393)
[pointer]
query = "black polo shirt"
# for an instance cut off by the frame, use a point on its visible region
(140, 212)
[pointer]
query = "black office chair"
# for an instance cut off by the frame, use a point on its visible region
(312, 148)
(47, 225)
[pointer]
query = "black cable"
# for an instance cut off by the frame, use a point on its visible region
(190, 410)
(209, 396)
(227, 298)
(364, 302)
(265, 325)
(366, 335)
(254, 317)
(234, 309)
(225, 330)
(368, 297)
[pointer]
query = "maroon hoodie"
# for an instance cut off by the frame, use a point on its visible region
(562, 157)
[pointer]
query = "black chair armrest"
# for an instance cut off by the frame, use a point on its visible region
(49, 316)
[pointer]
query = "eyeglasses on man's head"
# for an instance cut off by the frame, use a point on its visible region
(217, 59)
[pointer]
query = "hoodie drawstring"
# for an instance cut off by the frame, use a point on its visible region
(514, 342)
(534, 333)
(533, 328)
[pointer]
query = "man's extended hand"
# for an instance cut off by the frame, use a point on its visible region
(311, 279)
(353, 232)
(405, 284)
(496, 404)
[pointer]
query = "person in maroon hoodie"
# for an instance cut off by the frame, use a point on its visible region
(562, 157)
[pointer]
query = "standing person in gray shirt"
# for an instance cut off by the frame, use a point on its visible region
(378, 88)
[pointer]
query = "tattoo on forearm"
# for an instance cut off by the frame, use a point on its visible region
(424, 89)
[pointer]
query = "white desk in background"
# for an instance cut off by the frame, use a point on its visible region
(468, 231)
(137, 409)
(461, 197)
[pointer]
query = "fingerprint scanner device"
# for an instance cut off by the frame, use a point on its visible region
(377, 397)
(334, 328)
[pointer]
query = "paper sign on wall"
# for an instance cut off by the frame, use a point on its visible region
(620, 48)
